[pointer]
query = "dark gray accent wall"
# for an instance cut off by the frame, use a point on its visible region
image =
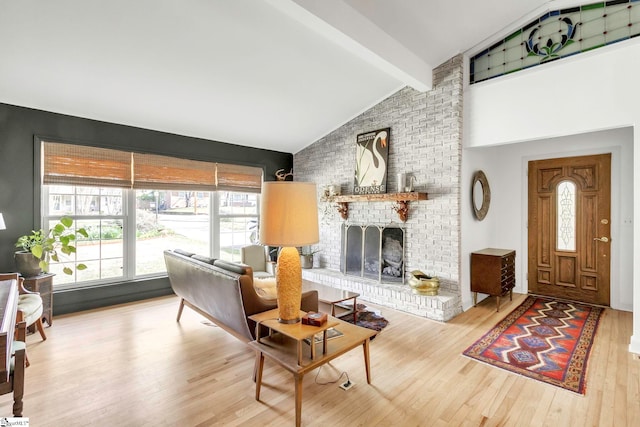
(18, 185)
(69, 301)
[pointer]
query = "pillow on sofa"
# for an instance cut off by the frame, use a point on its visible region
(265, 287)
(203, 258)
(183, 252)
(231, 266)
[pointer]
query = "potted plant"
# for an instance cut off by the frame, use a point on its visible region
(306, 257)
(40, 248)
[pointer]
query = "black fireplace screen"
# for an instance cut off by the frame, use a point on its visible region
(374, 252)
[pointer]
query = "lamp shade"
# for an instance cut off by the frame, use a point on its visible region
(288, 214)
(2, 224)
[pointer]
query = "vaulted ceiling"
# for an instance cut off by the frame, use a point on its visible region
(275, 74)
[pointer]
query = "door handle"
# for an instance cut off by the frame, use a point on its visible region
(601, 239)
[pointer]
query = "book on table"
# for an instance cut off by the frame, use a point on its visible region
(331, 334)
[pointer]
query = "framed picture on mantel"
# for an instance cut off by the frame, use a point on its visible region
(372, 151)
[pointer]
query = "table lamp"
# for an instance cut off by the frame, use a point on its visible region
(288, 218)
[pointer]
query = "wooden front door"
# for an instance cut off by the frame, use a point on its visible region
(569, 228)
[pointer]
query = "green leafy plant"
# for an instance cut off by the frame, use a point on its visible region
(45, 246)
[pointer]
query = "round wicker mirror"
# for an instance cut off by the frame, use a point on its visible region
(480, 195)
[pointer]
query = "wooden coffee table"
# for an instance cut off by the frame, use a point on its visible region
(333, 297)
(284, 348)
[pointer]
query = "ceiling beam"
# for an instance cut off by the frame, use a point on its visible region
(340, 23)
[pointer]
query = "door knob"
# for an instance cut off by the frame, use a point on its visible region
(601, 239)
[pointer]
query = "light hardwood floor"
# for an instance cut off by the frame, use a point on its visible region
(133, 365)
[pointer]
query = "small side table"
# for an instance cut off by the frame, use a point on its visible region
(43, 284)
(297, 331)
(286, 352)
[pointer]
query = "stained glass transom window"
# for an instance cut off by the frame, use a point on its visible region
(558, 34)
(566, 216)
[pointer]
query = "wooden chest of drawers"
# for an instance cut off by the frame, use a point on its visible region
(493, 273)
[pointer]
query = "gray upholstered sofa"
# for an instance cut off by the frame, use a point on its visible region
(221, 291)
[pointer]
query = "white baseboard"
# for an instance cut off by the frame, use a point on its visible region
(634, 344)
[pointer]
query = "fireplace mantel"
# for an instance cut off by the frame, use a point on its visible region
(402, 201)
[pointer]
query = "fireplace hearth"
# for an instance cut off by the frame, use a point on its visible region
(373, 251)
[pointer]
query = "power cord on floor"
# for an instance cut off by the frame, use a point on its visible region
(343, 374)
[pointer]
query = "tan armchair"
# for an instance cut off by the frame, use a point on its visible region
(257, 257)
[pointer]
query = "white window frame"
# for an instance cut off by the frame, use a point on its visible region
(217, 218)
(128, 218)
(126, 224)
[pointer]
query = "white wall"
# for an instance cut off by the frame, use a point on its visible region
(560, 108)
(586, 92)
(506, 223)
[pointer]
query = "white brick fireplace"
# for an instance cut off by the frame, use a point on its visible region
(425, 142)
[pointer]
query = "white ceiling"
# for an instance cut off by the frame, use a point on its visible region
(276, 74)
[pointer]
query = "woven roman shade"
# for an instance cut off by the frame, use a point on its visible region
(81, 165)
(151, 171)
(245, 179)
(86, 166)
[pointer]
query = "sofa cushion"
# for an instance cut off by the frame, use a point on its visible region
(183, 252)
(203, 258)
(231, 266)
(265, 287)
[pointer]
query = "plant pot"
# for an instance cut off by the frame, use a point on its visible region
(27, 264)
(306, 261)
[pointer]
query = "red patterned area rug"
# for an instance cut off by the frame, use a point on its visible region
(543, 339)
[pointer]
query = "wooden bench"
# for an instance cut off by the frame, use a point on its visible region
(11, 377)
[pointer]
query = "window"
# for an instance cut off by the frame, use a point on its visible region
(558, 34)
(238, 223)
(566, 216)
(159, 220)
(101, 211)
(164, 221)
(134, 206)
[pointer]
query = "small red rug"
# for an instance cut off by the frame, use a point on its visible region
(543, 339)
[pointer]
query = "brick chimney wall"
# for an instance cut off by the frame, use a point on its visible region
(425, 142)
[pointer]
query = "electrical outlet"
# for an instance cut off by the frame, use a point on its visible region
(347, 385)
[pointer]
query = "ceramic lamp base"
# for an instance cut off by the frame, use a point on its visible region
(289, 285)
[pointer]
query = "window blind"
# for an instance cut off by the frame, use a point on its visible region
(244, 179)
(71, 164)
(151, 171)
(86, 166)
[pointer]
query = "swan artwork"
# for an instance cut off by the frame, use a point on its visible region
(371, 164)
